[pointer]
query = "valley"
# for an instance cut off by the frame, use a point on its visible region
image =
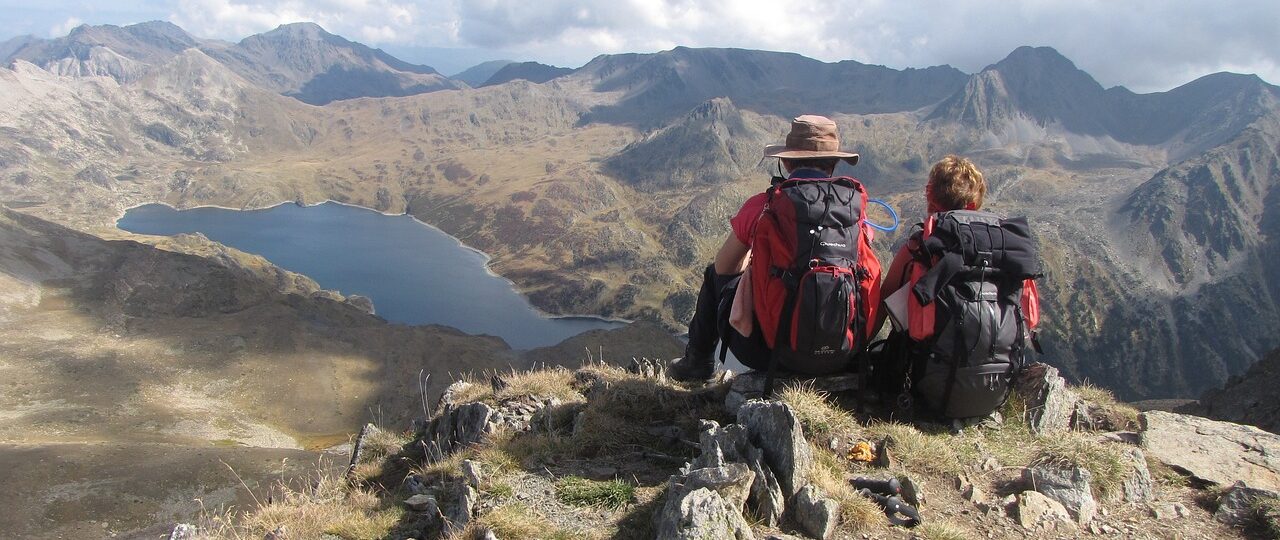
(600, 191)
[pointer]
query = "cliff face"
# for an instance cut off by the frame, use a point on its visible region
(1248, 398)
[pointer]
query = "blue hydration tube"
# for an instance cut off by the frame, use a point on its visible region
(892, 214)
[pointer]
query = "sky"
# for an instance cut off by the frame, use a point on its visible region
(1145, 45)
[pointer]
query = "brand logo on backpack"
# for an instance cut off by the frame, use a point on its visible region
(815, 278)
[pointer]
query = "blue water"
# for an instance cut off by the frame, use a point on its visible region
(414, 274)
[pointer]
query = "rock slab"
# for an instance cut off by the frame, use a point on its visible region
(1218, 452)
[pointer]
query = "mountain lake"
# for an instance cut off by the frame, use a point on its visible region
(414, 273)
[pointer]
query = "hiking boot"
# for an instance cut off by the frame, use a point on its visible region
(692, 368)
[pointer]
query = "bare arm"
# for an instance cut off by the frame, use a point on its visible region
(732, 257)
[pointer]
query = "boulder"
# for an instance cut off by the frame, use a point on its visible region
(730, 444)
(1238, 506)
(1049, 404)
(699, 514)
(1138, 486)
(732, 481)
(1034, 508)
(1067, 485)
(775, 430)
(816, 514)
(1213, 451)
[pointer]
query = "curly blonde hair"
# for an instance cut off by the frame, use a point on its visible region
(955, 183)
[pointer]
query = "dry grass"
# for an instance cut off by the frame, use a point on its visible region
(329, 505)
(618, 417)
(513, 520)
(920, 452)
(1106, 462)
(1121, 414)
(556, 382)
(828, 475)
(820, 418)
(941, 530)
(1269, 516)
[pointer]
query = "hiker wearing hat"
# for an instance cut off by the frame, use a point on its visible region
(791, 287)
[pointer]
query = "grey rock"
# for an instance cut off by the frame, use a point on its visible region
(363, 303)
(700, 514)
(1211, 450)
(471, 473)
(461, 506)
(422, 503)
(1168, 511)
(912, 491)
(183, 531)
(1238, 506)
(278, 533)
(815, 513)
(973, 494)
(1138, 486)
(775, 430)
(1034, 509)
(1050, 405)
(730, 444)
(1067, 485)
(731, 480)
(489, 535)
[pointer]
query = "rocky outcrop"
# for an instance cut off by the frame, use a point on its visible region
(1212, 451)
(699, 514)
(1050, 405)
(772, 427)
(730, 444)
(1067, 485)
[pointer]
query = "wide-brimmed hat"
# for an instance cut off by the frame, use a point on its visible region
(811, 137)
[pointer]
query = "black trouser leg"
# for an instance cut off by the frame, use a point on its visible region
(704, 328)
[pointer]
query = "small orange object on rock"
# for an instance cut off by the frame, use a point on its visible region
(862, 452)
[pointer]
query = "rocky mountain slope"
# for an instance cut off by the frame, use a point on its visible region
(476, 75)
(300, 60)
(528, 71)
(134, 371)
(1248, 398)
(605, 190)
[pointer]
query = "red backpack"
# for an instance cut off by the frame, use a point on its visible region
(815, 281)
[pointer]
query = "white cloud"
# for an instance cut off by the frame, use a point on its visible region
(65, 27)
(1143, 44)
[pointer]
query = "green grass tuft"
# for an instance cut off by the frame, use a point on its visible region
(577, 491)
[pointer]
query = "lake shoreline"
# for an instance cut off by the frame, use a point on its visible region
(481, 257)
